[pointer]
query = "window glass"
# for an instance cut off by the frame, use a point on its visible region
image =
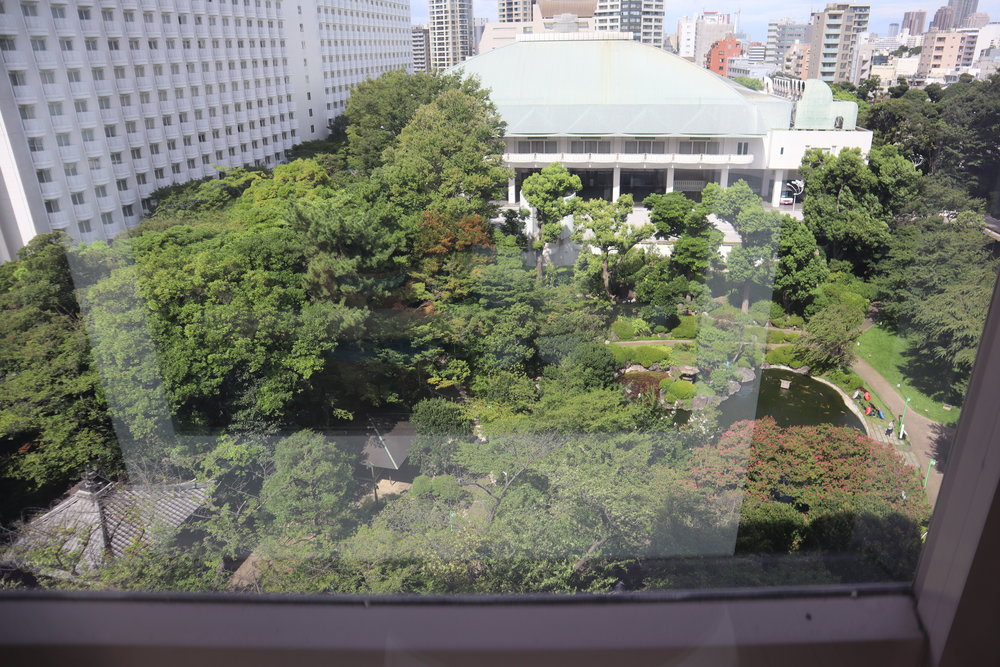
(431, 358)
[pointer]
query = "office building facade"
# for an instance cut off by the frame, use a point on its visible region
(106, 103)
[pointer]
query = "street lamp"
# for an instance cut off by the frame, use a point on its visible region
(930, 464)
(903, 416)
(796, 188)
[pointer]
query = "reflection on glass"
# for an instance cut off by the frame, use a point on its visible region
(361, 372)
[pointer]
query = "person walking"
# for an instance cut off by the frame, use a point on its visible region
(889, 428)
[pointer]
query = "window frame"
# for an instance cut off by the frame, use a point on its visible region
(935, 621)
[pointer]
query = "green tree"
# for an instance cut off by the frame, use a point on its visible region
(54, 421)
(551, 193)
(801, 267)
(668, 212)
(752, 84)
(448, 158)
(311, 492)
(378, 110)
(440, 425)
(830, 337)
(604, 226)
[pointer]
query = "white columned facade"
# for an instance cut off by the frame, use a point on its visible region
(724, 177)
(616, 183)
(670, 179)
(779, 179)
(512, 190)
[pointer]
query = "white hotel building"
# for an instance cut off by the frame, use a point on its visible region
(104, 101)
(634, 119)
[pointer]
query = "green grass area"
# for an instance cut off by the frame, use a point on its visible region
(884, 350)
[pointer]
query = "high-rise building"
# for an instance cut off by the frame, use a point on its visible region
(333, 46)
(893, 29)
(834, 41)
(642, 18)
(781, 34)
(962, 9)
(944, 19)
(452, 32)
(975, 20)
(913, 22)
(511, 11)
(696, 35)
(945, 51)
(105, 104)
(421, 46)
(756, 52)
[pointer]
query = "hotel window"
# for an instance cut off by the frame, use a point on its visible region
(51, 205)
(644, 146)
(80, 106)
(83, 13)
(70, 169)
(122, 184)
(116, 158)
(101, 191)
(43, 175)
(29, 9)
(47, 76)
(55, 108)
(73, 75)
(699, 147)
(36, 144)
(78, 198)
(158, 173)
(63, 140)
(66, 44)
(127, 210)
(90, 44)
(590, 146)
(743, 148)
(140, 178)
(83, 226)
(94, 163)
(37, 44)
(107, 218)
(26, 111)
(7, 43)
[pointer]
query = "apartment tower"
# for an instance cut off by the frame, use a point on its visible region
(834, 41)
(451, 32)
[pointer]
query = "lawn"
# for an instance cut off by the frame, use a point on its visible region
(885, 352)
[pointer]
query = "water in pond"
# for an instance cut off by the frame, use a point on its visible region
(805, 402)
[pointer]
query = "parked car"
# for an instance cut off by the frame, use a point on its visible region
(786, 199)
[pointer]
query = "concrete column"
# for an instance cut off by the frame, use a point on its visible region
(670, 179)
(779, 180)
(616, 183)
(512, 191)
(724, 177)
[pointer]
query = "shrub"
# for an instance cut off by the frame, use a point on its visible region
(784, 356)
(847, 380)
(679, 390)
(626, 328)
(593, 364)
(761, 312)
(688, 328)
(660, 329)
(778, 337)
(644, 355)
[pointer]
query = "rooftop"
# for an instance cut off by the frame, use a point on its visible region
(599, 87)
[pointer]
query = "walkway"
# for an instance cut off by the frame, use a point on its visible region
(922, 432)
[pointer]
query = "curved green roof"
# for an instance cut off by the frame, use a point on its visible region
(612, 87)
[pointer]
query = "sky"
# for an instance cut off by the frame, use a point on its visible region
(755, 14)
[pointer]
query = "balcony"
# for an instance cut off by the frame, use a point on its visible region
(79, 89)
(611, 159)
(51, 190)
(155, 135)
(33, 127)
(97, 57)
(116, 144)
(69, 153)
(109, 115)
(58, 220)
(77, 183)
(84, 211)
(100, 176)
(43, 159)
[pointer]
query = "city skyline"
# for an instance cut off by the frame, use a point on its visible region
(754, 16)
